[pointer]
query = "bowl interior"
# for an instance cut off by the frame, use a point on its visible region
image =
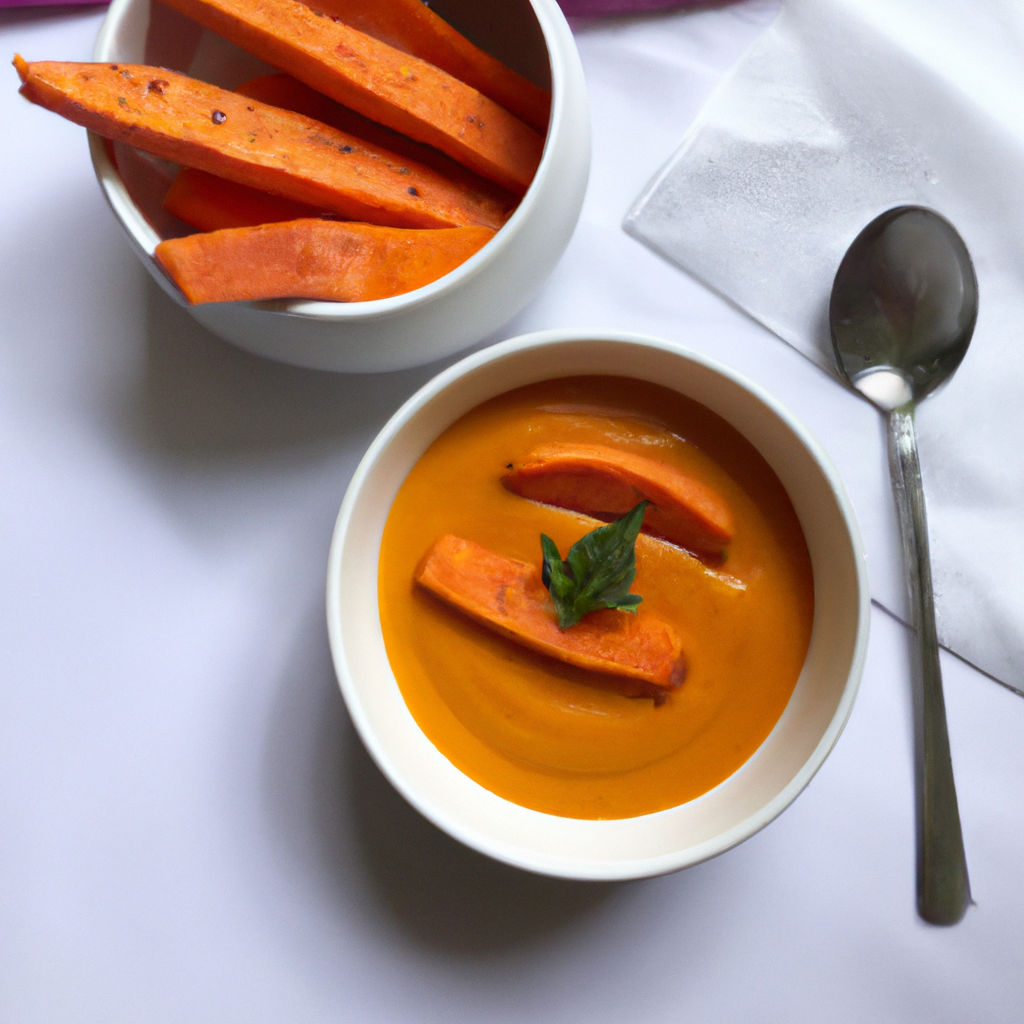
(631, 847)
(138, 31)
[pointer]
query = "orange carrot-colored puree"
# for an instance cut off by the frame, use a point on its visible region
(555, 738)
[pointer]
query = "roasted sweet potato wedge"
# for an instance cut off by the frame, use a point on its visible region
(232, 136)
(381, 82)
(639, 655)
(314, 259)
(289, 93)
(210, 203)
(606, 483)
(411, 25)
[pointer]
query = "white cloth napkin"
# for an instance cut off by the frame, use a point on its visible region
(843, 109)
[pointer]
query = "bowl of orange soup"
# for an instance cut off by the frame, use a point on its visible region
(652, 731)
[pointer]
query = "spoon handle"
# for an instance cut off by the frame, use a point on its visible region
(943, 889)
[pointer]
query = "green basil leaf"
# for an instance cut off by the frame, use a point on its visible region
(598, 571)
(561, 586)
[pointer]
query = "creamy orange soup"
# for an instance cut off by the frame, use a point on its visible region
(553, 737)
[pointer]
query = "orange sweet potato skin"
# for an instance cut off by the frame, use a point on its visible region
(241, 139)
(314, 259)
(210, 203)
(284, 91)
(411, 26)
(643, 656)
(386, 85)
(607, 483)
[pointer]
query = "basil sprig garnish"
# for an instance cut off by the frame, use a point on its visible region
(598, 571)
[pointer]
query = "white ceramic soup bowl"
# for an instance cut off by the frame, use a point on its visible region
(387, 334)
(653, 843)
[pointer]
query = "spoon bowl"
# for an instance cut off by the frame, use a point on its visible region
(904, 305)
(903, 308)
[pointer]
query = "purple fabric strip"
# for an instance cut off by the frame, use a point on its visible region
(52, 3)
(573, 8)
(595, 8)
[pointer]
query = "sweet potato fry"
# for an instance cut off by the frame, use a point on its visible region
(314, 259)
(229, 135)
(374, 79)
(211, 203)
(606, 483)
(642, 656)
(410, 25)
(284, 91)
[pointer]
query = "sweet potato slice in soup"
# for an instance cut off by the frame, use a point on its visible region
(606, 483)
(638, 655)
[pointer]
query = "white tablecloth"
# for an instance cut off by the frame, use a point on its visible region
(189, 829)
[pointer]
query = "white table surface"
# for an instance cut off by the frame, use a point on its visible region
(189, 828)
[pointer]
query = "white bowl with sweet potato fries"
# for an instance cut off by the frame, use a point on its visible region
(352, 185)
(663, 692)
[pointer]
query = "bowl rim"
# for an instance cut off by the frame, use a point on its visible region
(144, 238)
(478, 839)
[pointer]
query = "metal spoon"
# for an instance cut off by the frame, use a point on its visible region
(903, 308)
